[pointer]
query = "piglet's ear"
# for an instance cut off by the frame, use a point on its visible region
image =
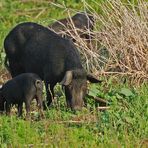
(67, 78)
(93, 79)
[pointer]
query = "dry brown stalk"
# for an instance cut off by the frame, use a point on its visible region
(102, 108)
(119, 43)
(100, 100)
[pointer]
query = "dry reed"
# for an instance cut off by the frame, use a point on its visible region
(119, 43)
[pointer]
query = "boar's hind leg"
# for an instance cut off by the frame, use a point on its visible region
(49, 93)
(7, 106)
(20, 106)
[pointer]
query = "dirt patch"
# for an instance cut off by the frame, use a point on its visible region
(4, 76)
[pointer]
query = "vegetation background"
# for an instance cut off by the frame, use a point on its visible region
(117, 54)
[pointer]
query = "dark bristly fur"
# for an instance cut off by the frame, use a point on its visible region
(22, 88)
(31, 47)
(82, 21)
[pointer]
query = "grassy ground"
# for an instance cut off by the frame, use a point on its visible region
(124, 124)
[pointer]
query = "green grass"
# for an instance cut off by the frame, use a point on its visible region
(43, 12)
(125, 124)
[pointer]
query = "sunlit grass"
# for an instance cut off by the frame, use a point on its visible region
(124, 124)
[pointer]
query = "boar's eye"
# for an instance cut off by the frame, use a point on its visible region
(70, 86)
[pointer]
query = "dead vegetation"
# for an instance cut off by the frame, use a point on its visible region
(118, 45)
(119, 42)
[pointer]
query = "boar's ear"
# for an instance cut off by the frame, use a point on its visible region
(38, 84)
(93, 79)
(67, 78)
(1, 87)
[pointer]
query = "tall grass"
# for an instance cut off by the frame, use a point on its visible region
(119, 43)
(125, 35)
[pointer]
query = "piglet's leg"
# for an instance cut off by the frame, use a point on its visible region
(39, 99)
(27, 104)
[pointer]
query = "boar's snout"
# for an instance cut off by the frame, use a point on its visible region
(77, 108)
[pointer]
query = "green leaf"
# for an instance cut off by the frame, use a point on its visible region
(126, 92)
(129, 120)
(118, 96)
(93, 91)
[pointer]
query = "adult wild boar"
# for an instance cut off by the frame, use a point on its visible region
(31, 47)
(22, 88)
(81, 22)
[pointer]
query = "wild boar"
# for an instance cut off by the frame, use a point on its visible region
(31, 47)
(81, 22)
(21, 89)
